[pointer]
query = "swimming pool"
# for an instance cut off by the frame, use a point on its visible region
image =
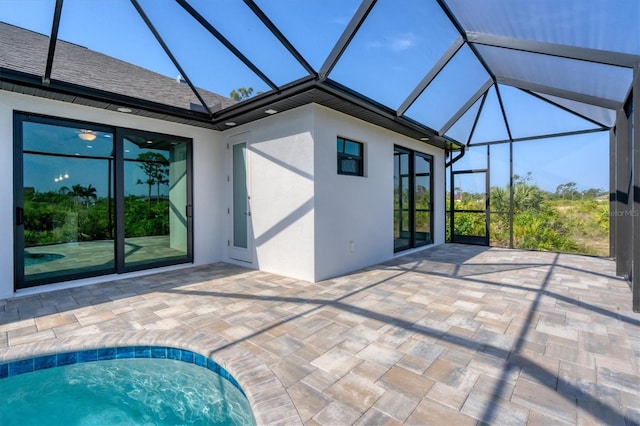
(31, 259)
(131, 385)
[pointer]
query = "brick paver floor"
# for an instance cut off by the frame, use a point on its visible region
(450, 335)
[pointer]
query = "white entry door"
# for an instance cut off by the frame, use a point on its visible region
(241, 235)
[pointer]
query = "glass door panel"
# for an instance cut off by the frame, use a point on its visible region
(66, 226)
(240, 243)
(92, 200)
(401, 195)
(412, 199)
(240, 208)
(155, 200)
(422, 200)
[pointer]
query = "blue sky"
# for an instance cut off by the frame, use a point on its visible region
(387, 58)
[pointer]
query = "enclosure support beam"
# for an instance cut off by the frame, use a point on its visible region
(563, 51)
(46, 79)
(623, 192)
(477, 118)
(561, 93)
(226, 43)
(463, 110)
(635, 140)
(166, 49)
(431, 75)
(338, 49)
(612, 194)
(278, 34)
(557, 105)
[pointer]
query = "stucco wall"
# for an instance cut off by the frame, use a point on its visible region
(281, 185)
(307, 221)
(354, 215)
(208, 162)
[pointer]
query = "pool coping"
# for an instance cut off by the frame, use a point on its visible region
(43, 362)
(267, 396)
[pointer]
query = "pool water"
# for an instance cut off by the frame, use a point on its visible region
(131, 391)
(31, 259)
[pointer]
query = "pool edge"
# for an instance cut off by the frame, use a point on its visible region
(268, 398)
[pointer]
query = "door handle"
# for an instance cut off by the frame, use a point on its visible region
(19, 216)
(247, 213)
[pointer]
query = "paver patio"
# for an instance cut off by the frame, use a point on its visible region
(450, 335)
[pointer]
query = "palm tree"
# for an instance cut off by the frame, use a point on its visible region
(76, 193)
(241, 93)
(499, 199)
(88, 193)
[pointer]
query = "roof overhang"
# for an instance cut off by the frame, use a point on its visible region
(305, 91)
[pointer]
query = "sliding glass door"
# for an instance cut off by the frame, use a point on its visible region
(156, 217)
(413, 222)
(93, 200)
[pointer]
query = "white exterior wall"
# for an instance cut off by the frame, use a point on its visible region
(281, 187)
(209, 186)
(354, 215)
(307, 221)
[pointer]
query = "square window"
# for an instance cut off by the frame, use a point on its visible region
(350, 157)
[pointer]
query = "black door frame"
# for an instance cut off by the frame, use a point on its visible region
(20, 117)
(412, 241)
(470, 239)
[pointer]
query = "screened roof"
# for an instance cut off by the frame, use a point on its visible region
(446, 72)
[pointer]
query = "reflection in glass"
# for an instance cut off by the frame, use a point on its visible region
(412, 199)
(401, 230)
(240, 196)
(422, 200)
(68, 202)
(155, 201)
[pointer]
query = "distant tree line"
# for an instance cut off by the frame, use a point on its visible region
(567, 220)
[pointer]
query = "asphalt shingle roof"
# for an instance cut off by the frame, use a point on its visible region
(26, 51)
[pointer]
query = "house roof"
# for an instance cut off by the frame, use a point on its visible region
(25, 52)
(434, 70)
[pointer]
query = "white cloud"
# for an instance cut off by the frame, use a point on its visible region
(397, 43)
(403, 43)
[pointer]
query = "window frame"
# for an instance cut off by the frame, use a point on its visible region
(21, 117)
(412, 241)
(342, 156)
